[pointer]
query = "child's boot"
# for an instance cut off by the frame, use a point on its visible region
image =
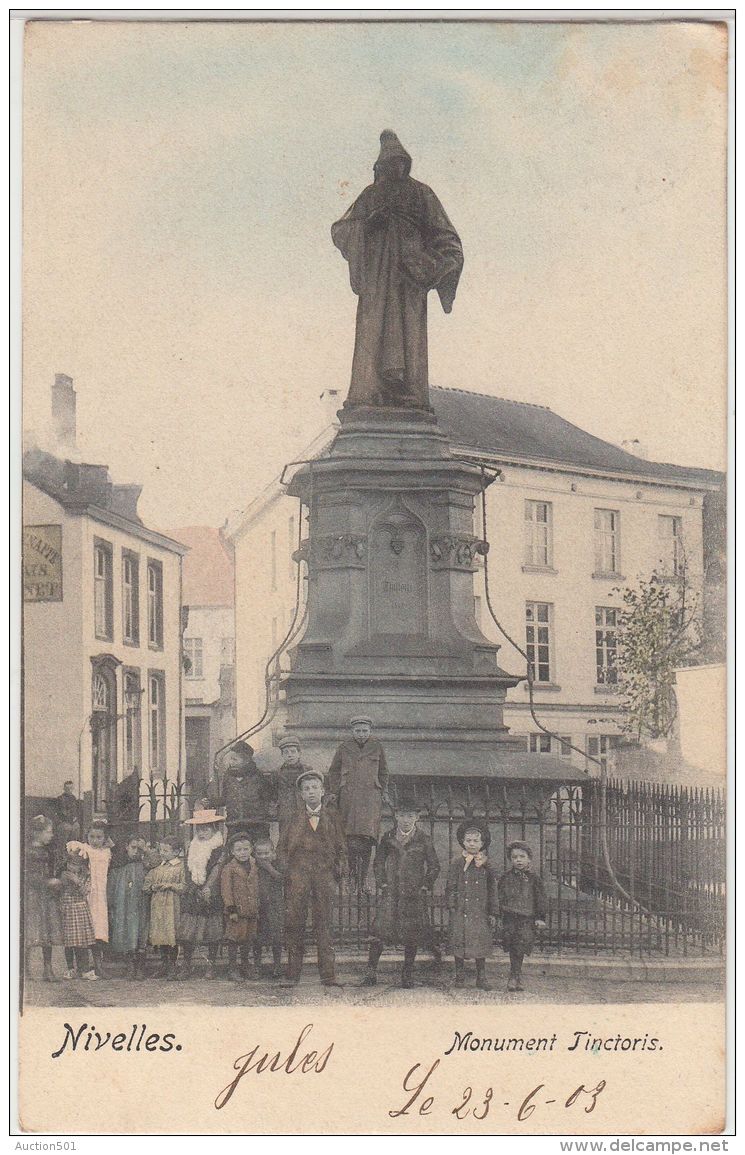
(460, 973)
(481, 982)
(49, 976)
(139, 970)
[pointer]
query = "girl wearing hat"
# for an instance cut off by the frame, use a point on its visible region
(471, 894)
(201, 918)
(522, 905)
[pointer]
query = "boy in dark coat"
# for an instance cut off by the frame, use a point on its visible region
(471, 895)
(271, 905)
(522, 905)
(289, 802)
(406, 867)
(240, 897)
(312, 856)
(248, 795)
(358, 780)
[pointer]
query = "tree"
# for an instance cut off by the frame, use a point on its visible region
(658, 629)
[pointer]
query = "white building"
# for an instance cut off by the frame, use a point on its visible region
(101, 628)
(571, 520)
(209, 648)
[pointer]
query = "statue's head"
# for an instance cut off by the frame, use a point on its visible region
(394, 162)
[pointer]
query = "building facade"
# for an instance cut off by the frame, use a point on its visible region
(209, 649)
(571, 520)
(102, 668)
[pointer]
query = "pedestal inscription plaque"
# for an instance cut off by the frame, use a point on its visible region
(398, 575)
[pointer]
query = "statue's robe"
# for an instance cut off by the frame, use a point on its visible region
(393, 264)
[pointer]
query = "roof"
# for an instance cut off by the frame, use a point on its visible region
(88, 489)
(208, 572)
(517, 431)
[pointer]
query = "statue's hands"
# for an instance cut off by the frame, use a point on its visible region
(376, 219)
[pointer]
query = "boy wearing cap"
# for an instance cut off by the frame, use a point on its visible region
(358, 780)
(312, 854)
(248, 794)
(522, 906)
(406, 866)
(289, 802)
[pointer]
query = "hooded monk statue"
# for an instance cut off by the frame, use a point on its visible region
(399, 244)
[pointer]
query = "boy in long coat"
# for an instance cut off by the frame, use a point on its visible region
(358, 781)
(240, 897)
(406, 866)
(312, 854)
(471, 895)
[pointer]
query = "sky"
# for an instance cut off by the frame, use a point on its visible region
(180, 181)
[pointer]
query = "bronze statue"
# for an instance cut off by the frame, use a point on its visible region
(399, 244)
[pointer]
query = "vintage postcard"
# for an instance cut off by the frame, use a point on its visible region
(374, 601)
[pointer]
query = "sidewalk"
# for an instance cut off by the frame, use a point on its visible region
(547, 980)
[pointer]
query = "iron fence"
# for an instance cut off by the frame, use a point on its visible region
(629, 868)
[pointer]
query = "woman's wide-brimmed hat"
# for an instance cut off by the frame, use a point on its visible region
(519, 846)
(474, 824)
(204, 818)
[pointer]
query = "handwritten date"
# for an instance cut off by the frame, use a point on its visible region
(478, 1105)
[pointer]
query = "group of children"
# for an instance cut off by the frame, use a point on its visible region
(240, 892)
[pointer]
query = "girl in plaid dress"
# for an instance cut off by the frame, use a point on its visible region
(77, 928)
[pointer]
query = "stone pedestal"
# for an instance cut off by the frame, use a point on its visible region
(391, 630)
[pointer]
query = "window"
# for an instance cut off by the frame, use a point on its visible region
(565, 746)
(103, 589)
(132, 721)
(538, 534)
(130, 597)
(670, 534)
(155, 604)
(538, 639)
(607, 544)
(600, 746)
(539, 744)
(156, 722)
(606, 621)
(291, 543)
(193, 654)
(274, 558)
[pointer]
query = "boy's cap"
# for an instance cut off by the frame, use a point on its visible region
(289, 741)
(519, 846)
(309, 774)
(360, 720)
(474, 824)
(407, 801)
(241, 836)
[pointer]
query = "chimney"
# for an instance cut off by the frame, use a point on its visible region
(635, 446)
(64, 414)
(331, 401)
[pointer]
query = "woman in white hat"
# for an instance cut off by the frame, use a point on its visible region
(201, 918)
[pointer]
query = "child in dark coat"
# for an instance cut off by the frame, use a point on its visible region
(522, 906)
(471, 895)
(128, 911)
(41, 913)
(240, 899)
(405, 868)
(271, 905)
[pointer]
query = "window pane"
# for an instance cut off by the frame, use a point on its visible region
(537, 550)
